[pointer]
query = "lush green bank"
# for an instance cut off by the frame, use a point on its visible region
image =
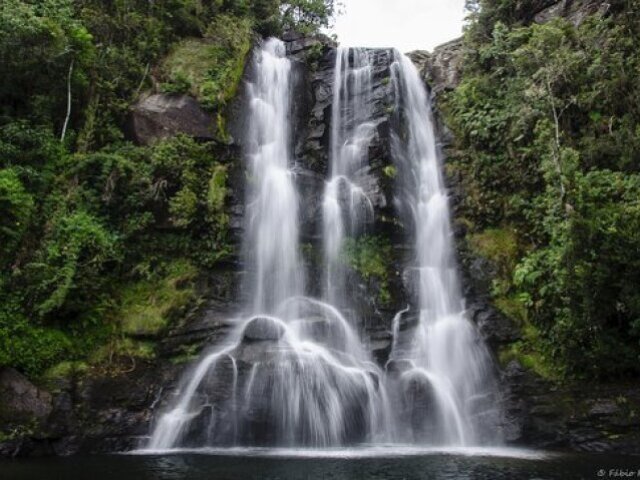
(102, 241)
(547, 152)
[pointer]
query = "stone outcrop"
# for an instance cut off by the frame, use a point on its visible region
(163, 115)
(582, 417)
(441, 69)
(576, 11)
(21, 402)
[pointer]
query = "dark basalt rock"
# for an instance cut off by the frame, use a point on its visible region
(419, 402)
(161, 115)
(20, 400)
(582, 417)
(263, 329)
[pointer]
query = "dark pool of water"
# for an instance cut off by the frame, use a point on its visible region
(221, 466)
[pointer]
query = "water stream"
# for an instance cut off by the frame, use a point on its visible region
(295, 372)
(447, 385)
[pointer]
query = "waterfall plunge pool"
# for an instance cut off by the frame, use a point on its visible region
(392, 463)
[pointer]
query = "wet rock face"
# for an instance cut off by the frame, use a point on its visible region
(162, 115)
(263, 329)
(580, 417)
(419, 405)
(395, 368)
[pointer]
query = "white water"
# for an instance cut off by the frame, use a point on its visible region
(376, 451)
(294, 372)
(272, 240)
(451, 366)
(346, 208)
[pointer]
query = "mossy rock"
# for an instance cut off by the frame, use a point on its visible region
(148, 306)
(210, 68)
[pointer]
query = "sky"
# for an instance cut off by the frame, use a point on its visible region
(404, 24)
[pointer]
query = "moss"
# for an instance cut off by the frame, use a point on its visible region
(65, 369)
(390, 171)
(123, 347)
(368, 256)
(57, 377)
(500, 245)
(513, 307)
(217, 191)
(149, 305)
(19, 431)
(211, 68)
(530, 353)
(187, 354)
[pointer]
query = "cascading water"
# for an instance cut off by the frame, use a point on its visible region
(272, 240)
(447, 391)
(294, 373)
(346, 207)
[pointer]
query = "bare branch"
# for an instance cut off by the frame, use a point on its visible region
(556, 150)
(66, 120)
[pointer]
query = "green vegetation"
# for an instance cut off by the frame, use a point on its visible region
(102, 241)
(150, 304)
(369, 256)
(550, 165)
(210, 68)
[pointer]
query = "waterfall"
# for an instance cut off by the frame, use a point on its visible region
(294, 371)
(447, 387)
(346, 207)
(272, 240)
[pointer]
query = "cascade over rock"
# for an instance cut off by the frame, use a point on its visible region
(300, 371)
(366, 354)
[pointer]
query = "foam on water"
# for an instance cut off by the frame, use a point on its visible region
(377, 451)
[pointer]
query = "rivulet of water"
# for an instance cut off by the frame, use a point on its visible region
(346, 208)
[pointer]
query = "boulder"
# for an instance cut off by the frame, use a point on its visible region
(163, 115)
(21, 401)
(263, 329)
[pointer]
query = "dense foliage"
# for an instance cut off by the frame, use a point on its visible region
(99, 237)
(547, 120)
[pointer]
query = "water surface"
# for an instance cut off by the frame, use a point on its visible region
(333, 464)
